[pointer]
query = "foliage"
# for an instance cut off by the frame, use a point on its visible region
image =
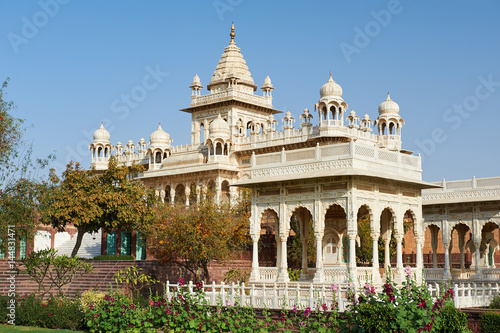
(10, 130)
(323, 318)
(184, 312)
(91, 201)
(114, 257)
(294, 245)
(191, 237)
(135, 280)
(236, 276)
(490, 322)
(409, 308)
(495, 302)
(294, 274)
(90, 297)
(451, 320)
(33, 310)
(20, 186)
(59, 270)
(364, 254)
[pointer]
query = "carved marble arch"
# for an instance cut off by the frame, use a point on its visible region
(268, 222)
(304, 214)
(364, 210)
(492, 221)
(335, 218)
(410, 217)
(326, 204)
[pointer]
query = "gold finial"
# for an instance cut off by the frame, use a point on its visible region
(330, 74)
(232, 34)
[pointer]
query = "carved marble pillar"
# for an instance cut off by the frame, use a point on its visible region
(352, 255)
(278, 250)
(376, 265)
(172, 194)
(187, 191)
(387, 253)
(319, 275)
(420, 258)
(399, 276)
(283, 274)
(477, 267)
(447, 271)
(303, 275)
(255, 275)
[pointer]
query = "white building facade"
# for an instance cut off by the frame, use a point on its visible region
(328, 173)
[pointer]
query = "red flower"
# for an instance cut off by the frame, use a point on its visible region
(50, 314)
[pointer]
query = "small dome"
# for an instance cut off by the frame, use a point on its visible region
(352, 113)
(388, 106)
(196, 79)
(331, 88)
(219, 128)
(267, 83)
(101, 134)
(159, 137)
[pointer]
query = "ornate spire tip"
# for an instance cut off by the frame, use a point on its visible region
(232, 34)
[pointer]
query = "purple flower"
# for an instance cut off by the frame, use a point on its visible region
(334, 287)
(307, 312)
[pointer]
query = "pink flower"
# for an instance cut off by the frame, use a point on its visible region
(307, 312)
(151, 303)
(408, 271)
(334, 287)
(180, 281)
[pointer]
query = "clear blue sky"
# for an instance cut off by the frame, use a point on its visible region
(71, 63)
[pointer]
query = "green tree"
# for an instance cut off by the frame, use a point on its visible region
(91, 201)
(191, 237)
(20, 185)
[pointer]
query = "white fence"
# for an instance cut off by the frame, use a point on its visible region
(303, 295)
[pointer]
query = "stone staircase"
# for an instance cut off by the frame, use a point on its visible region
(91, 246)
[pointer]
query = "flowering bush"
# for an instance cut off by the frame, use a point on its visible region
(322, 318)
(408, 308)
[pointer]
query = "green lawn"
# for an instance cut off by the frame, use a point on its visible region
(10, 328)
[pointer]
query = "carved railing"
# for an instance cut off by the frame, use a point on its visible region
(433, 274)
(268, 274)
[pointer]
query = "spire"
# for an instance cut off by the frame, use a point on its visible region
(232, 34)
(388, 97)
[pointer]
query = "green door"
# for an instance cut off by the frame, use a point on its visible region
(22, 247)
(111, 243)
(140, 247)
(125, 243)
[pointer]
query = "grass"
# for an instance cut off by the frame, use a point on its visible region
(16, 329)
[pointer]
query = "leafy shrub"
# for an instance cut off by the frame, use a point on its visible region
(451, 320)
(59, 270)
(114, 257)
(90, 296)
(409, 308)
(495, 302)
(236, 276)
(490, 322)
(294, 274)
(135, 280)
(56, 313)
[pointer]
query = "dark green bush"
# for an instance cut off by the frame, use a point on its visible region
(495, 302)
(451, 320)
(33, 310)
(490, 323)
(114, 257)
